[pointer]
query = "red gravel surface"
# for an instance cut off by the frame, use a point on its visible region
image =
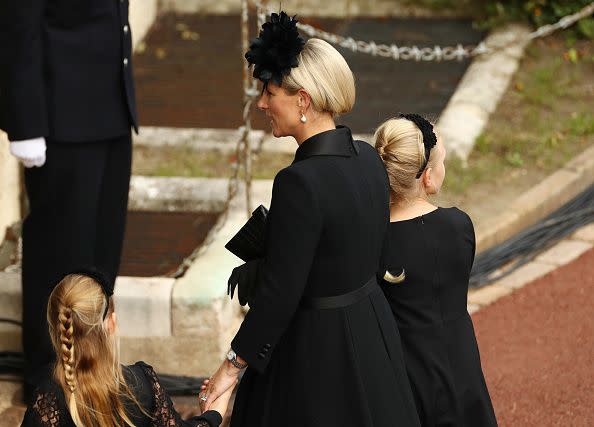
(537, 349)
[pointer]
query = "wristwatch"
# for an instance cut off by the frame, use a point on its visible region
(232, 357)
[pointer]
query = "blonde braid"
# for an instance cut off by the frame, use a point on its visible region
(67, 345)
(87, 365)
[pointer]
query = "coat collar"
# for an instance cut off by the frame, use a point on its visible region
(335, 142)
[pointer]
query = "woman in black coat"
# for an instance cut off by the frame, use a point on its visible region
(430, 252)
(320, 341)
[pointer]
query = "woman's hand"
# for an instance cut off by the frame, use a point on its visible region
(223, 380)
(245, 278)
(222, 402)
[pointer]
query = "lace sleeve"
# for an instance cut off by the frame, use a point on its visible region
(165, 415)
(45, 412)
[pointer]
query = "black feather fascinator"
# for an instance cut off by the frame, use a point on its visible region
(274, 52)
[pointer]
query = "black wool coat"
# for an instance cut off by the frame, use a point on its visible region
(339, 365)
(66, 70)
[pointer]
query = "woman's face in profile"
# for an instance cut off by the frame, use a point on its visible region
(281, 108)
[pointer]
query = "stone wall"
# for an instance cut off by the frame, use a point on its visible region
(10, 210)
(142, 15)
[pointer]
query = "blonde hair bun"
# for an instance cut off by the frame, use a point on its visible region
(400, 144)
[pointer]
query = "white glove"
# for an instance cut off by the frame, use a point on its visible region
(31, 152)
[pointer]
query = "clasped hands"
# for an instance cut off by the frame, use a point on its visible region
(215, 392)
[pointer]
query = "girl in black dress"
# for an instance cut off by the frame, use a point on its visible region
(321, 345)
(428, 256)
(89, 387)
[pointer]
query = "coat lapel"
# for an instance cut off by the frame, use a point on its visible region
(336, 142)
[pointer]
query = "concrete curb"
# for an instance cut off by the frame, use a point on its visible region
(221, 140)
(560, 254)
(177, 194)
(552, 192)
(481, 88)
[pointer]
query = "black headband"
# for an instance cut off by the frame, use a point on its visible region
(429, 138)
(101, 278)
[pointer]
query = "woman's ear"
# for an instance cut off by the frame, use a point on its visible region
(112, 323)
(304, 100)
(426, 178)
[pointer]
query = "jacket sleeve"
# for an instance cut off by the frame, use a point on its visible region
(294, 228)
(22, 89)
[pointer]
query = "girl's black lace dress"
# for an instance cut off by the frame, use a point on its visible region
(50, 409)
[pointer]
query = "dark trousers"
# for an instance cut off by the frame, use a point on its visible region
(78, 203)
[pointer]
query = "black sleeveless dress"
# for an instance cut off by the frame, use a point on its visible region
(436, 252)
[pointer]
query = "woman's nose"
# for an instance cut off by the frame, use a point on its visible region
(261, 104)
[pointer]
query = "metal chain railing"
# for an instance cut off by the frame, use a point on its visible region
(436, 53)
(243, 149)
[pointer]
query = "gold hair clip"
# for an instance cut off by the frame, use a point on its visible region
(390, 278)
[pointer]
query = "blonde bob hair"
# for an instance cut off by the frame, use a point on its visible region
(325, 75)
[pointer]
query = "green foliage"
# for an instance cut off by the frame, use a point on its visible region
(514, 159)
(544, 119)
(538, 13)
(581, 124)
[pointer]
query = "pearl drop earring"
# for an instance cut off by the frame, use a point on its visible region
(303, 119)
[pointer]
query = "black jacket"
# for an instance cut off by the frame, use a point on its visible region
(66, 69)
(311, 248)
(313, 360)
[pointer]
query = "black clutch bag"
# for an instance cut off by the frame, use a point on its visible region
(248, 243)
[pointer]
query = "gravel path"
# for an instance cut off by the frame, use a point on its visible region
(537, 349)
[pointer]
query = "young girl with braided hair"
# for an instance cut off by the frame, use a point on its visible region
(89, 387)
(427, 258)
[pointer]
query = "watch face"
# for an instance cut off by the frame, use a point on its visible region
(231, 355)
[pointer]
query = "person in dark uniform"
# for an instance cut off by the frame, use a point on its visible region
(428, 256)
(321, 345)
(67, 104)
